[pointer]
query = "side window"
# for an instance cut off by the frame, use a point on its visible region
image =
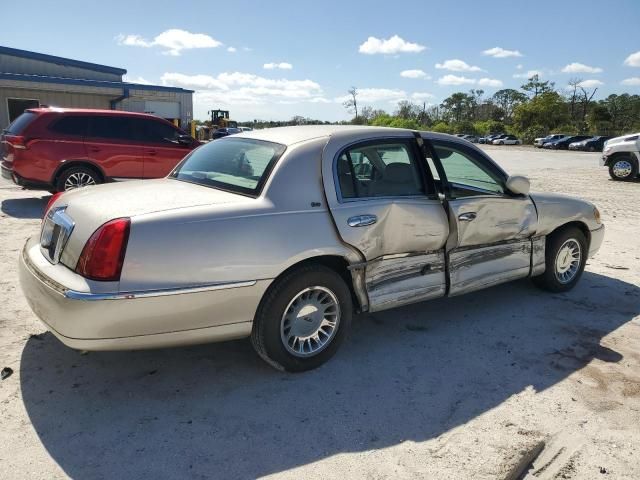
(72, 125)
(379, 170)
(159, 132)
(112, 128)
(467, 175)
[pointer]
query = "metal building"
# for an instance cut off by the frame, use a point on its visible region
(30, 79)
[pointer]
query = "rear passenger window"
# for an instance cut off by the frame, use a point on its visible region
(379, 170)
(112, 127)
(71, 125)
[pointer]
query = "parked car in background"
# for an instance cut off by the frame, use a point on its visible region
(470, 138)
(246, 129)
(593, 144)
(621, 155)
(539, 142)
(224, 131)
(489, 138)
(61, 149)
(563, 143)
(207, 254)
(506, 140)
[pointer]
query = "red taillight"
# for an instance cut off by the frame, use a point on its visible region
(51, 201)
(103, 255)
(16, 141)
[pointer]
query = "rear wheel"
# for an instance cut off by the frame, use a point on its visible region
(623, 168)
(77, 177)
(501, 143)
(303, 319)
(565, 258)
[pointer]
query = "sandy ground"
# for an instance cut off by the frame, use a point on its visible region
(454, 388)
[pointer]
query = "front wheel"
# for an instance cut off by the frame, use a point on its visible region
(565, 257)
(303, 319)
(623, 168)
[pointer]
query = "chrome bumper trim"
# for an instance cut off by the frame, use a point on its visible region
(88, 296)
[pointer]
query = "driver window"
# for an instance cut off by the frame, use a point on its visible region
(466, 175)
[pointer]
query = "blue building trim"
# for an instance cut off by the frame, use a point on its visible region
(15, 52)
(23, 77)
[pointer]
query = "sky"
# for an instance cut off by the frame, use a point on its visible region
(273, 60)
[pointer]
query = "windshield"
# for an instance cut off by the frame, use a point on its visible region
(238, 164)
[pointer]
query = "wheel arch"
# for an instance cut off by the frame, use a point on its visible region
(67, 164)
(338, 264)
(583, 227)
(615, 156)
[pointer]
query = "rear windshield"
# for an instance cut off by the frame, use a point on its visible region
(20, 123)
(237, 164)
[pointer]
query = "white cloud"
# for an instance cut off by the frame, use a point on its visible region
(229, 88)
(174, 41)
(456, 65)
(490, 82)
(519, 66)
(373, 95)
(633, 81)
(455, 80)
(528, 74)
(590, 83)
(281, 66)
(633, 60)
(390, 46)
(421, 96)
(232, 49)
(499, 52)
(576, 67)
(413, 74)
(139, 80)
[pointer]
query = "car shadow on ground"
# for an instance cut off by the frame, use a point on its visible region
(25, 207)
(408, 374)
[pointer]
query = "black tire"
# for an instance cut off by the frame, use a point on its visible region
(85, 173)
(550, 280)
(631, 172)
(592, 148)
(501, 143)
(266, 334)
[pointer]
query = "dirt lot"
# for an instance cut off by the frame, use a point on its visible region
(455, 388)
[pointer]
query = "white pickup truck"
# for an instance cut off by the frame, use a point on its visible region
(622, 156)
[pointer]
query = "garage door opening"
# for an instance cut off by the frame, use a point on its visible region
(16, 106)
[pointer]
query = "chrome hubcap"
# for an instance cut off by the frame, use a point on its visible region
(622, 168)
(568, 261)
(310, 321)
(77, 180)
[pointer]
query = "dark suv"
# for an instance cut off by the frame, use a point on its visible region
(60, 149)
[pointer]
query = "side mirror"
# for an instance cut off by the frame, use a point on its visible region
(518, 184)
(185, 140)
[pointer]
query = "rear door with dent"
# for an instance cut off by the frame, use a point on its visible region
(384, 203)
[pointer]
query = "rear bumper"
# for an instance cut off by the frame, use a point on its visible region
(87, 320)
(597, 237)
(19, 180)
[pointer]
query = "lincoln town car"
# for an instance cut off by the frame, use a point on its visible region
(282, 235)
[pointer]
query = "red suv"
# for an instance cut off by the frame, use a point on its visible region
(59, 149)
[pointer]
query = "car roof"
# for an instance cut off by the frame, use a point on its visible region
(89, 111)
(303, 133)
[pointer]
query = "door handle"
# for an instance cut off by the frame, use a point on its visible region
(94, 149)
(362, 220)
(467, 217)
(151, 152)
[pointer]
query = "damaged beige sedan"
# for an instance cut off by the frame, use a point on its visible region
(282, 234)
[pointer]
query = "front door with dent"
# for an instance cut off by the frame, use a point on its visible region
(384, 203)
(491, 229)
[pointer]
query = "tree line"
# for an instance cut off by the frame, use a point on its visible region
(536, 109)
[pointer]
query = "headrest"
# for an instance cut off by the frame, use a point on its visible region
(398, 173)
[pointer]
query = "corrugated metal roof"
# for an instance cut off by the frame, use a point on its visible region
(89, 83)
(61, 60)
